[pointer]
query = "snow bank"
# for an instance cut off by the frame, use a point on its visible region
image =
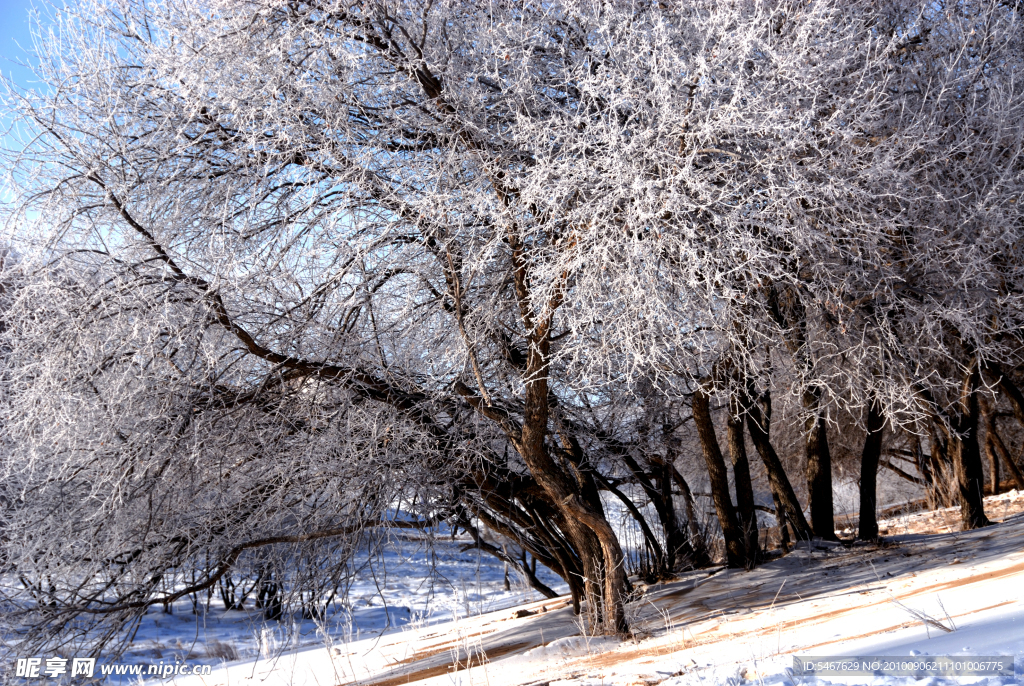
(918, 594)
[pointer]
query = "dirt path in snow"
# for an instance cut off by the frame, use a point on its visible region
(925, 579)
(819, 595)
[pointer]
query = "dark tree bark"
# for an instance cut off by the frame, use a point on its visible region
(967, 457)
(1016, 398)
(679, 552)
(734, 548)
(528, 570)
(650, 540)
(819, 468)
(747, 515)
(993, 440)
(682, 553)
(759, 425)
(867, 528)
(697, 542)
(940, 494)
(1009, 389)
(784, 526)
(789, 313)
(989, 421)
(574, 494)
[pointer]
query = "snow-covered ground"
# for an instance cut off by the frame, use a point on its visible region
(917, 594)
(412, 582)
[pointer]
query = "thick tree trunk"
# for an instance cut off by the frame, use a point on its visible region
(784, 527)
(747, 515)
(734, 547)
(967, 458)
(604, 563)
(584, 478)
(867, 528)
(759, 425)
(819, 468)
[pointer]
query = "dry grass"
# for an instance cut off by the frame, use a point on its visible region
(221, 650)
(947, 520)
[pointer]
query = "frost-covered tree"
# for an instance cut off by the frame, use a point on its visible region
(318, 258)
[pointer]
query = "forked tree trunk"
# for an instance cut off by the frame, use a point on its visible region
(747, 515)
(735, 550)
(603, 562)
(819, 467)
(867, 528)
(759, 425)
(967, 457)
(584, 480)
(596, 609)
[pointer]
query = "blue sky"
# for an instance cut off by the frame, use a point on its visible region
(14, 31)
